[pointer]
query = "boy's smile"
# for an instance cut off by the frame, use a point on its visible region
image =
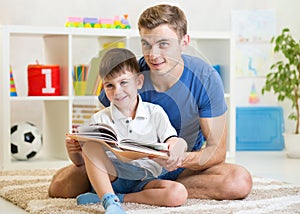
(121, 90)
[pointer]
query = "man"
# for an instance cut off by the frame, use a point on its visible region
(191, 93)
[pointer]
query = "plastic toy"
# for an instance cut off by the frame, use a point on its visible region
(43, 80)
(74, 22)
(106, 23)
(89, 22)
(13, 90)
(253, 97)
(123, 23)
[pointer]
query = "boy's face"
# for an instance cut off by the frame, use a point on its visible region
(122, 89)
(161, 48)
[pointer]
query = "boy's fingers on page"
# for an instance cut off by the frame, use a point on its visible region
(71, 141)
(173, 163)
(73, 146)
(171, 167)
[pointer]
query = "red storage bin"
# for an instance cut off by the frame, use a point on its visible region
(43, 80)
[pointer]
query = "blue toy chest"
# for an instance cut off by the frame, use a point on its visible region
(259, 128)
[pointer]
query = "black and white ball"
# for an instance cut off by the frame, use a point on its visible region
(25, 141)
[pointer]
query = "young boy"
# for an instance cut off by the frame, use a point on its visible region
(134, 119)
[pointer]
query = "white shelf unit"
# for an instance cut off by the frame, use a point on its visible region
(216, 48)
(68, 47)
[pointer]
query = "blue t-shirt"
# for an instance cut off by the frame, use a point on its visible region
(198, 93)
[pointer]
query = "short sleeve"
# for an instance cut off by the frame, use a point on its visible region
(163, 125)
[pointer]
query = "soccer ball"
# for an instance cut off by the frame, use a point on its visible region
(25, 141)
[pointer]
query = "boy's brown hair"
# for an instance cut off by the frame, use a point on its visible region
(117, 60)
(154, 16)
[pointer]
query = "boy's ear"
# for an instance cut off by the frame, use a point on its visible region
(140, 79)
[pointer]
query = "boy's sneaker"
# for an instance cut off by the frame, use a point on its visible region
(111, 204)
(88, 198)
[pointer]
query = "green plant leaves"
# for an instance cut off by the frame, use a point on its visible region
(284, 80)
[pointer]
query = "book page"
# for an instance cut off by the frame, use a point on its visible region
(155, 146)
(98, 130)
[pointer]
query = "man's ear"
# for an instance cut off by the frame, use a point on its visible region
(186, 40)
(140, 79)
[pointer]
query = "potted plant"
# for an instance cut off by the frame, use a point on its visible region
(284, 81)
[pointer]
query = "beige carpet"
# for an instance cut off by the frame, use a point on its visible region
(28, 190)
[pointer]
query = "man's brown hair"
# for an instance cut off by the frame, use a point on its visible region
(157, 15)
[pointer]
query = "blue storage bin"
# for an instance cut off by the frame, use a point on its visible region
(259, 128)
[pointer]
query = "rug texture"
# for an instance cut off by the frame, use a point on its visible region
(28, 190)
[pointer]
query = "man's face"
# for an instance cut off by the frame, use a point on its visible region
(161, 48)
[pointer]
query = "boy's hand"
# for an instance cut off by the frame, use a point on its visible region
(177, 153)
(73, 146)
(74, 151)
(177, 149)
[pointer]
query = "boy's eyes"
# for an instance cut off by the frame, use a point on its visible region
(110, 86)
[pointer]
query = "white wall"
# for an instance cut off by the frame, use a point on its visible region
(213, 15)
(203, 15)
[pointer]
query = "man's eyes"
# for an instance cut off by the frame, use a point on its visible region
(163, 44)
(160, 45)
(146, 45)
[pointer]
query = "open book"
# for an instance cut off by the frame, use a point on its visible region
(125, 149)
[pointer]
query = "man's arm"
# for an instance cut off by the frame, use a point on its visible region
(215, 132)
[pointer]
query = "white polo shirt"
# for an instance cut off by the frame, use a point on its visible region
(151, 124)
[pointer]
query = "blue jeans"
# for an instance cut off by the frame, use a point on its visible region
(130, 178)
